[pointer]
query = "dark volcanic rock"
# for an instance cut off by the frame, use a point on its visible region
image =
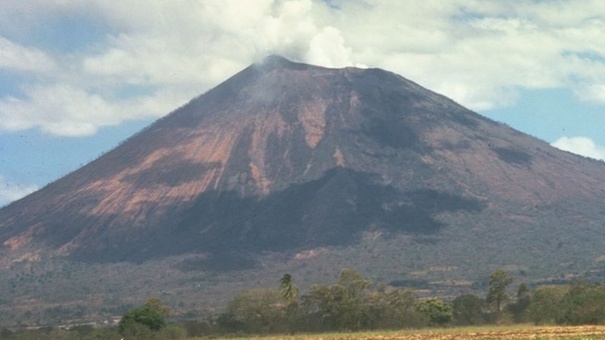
(284, 157)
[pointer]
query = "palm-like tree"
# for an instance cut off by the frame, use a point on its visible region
(287, 288)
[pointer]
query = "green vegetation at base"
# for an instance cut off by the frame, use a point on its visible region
(144, 320)
(353, 304)
(497, 295)
(436, 310)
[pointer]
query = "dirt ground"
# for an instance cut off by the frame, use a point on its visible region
(530, 332)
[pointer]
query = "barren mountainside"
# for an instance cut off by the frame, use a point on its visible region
(291, 158)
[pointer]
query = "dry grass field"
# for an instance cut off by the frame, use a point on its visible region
(484, 333)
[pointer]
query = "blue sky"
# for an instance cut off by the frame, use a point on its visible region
(77, 77)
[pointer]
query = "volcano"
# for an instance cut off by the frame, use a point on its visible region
(305, 161)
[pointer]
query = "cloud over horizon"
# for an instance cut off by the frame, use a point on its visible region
(583, 146)
(11, 191)
(151, 57)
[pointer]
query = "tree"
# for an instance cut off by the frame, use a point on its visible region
(583, 303)
(324, 307)
(149, 316)
(398, 309)
(287, 288)
(468, 309)
(436, 310)
(496, 295)
(544, 307)
(353, 281)
(255, 311)
(341, 306)
(519, 308)
(289, 292)
(355, 298)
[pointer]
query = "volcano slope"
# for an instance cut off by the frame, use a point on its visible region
(293, 167)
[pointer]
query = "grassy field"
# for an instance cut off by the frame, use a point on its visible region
(488, 332)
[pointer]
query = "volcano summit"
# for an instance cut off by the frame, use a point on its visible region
(326, 167)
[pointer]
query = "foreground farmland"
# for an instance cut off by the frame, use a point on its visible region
(492, 333)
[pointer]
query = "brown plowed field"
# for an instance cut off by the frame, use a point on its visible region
(485, 333)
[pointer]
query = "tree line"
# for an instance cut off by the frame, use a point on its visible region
(355, 303)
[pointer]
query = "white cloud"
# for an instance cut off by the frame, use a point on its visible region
(11, 192)
(19, 58)
(480, 53)
(64, 110)
(580, 145)
(592, 92)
